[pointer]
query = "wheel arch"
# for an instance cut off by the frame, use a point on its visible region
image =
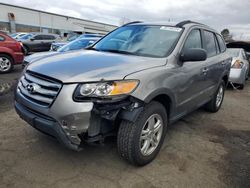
(165, 97)
(8, 54)
(225, 79)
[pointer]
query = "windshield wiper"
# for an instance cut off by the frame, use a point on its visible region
(119, 52)
(91, 48)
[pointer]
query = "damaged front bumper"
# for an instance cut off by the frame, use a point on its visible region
(73, 123)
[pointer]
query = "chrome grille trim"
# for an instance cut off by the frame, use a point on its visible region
(41, 82)
(45, 92)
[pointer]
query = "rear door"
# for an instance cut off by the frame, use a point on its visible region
(47, 41)
(216, 61)
(35, 44)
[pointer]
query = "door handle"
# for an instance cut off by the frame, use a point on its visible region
(204, 71)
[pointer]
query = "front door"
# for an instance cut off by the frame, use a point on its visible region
(192, 77)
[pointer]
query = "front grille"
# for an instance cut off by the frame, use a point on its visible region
(39, 89)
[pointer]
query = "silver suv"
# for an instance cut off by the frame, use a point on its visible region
(132, 84)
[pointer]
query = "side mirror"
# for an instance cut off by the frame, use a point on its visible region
(32, 39)
(193, 54)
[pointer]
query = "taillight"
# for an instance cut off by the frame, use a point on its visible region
(237, 64)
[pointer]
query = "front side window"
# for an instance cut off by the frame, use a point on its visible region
(141, 40)
(193, 40)
(210, 43)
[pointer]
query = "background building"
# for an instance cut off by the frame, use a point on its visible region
(20, 19)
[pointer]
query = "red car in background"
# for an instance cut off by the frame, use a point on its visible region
(11, 53)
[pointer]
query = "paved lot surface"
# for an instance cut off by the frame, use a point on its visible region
(202, 150)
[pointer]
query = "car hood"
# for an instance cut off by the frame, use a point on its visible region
(40, 55)
(89, 65)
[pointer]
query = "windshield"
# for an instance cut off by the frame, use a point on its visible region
(77, 45)
(141, 40)
(234, 52)
(25, 37)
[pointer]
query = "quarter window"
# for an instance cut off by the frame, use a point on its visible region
(210, 43)
(221, 43)
(2, 38)
(193, 40)
(217, 45)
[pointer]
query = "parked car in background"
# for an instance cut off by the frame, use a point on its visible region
(25, 37)
(90, 35)
(239, 67)
(57, 45)
(38, 42)
(128, 84)
(248, 56)
(11, 53)
(74, 45)
(17, 35)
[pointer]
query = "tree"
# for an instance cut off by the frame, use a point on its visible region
(228, 37)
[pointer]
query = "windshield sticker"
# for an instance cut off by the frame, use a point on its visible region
(170, 28)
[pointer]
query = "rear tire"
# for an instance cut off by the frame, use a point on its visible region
(139, 142)
(6, 63)
(215, 103)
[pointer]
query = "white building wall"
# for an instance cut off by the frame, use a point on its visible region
(52, 21)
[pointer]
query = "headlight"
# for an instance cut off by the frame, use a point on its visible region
(105, 89)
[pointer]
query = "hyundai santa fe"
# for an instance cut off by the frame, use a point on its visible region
(132, 84)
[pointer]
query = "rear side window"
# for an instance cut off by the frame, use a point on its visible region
(2, 38)
(44, 37)
(49, 37)
(221, 43)
(210, 43)
(39, 37)
(193, 40)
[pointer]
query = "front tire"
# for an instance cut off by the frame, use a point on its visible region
(215, 103)
(139, 142)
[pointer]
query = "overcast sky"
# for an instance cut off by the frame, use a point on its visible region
(232, 14)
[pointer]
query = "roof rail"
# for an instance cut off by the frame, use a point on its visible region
(181, 24)
(132, 23)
